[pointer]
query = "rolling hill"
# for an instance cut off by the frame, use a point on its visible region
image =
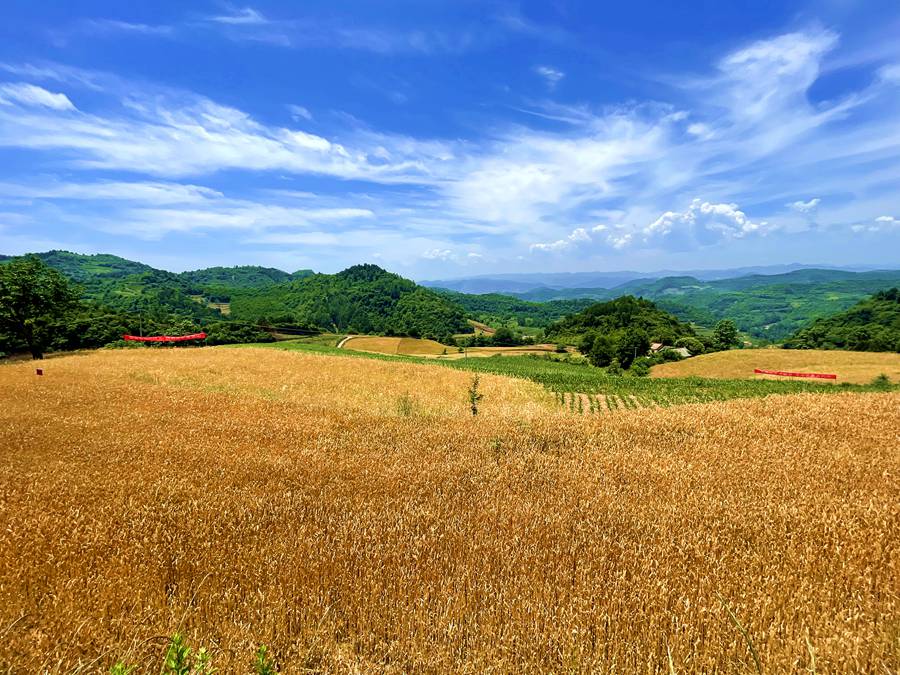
(872, 325)
(769, 307)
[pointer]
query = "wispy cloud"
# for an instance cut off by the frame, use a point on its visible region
(299, 112)
(805, 207)
(246, 16)
(29, 95)
(552, 76)
(745, 138)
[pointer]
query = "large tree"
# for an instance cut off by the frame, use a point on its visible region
(725, 334)
(33, 298)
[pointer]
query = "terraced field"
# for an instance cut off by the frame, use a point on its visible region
(395, 345)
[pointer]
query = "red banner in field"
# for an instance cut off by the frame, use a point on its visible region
(165, 338)
(821, 376)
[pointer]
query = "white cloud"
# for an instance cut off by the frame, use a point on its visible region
(175, 136)
(770, 76)
(579, 236)
(805, 207)
(102, 27)
(703, 223)
(450, 256)
(880, 224)
(32, 95)
(299, 112)
(247, 16)
(150, 192)
(438, 254)
(746, 134)
(552, 76)
(890, 73)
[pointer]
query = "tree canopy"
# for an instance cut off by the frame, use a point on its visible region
(33, 296)
(872, 325)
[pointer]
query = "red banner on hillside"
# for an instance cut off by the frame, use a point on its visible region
(165, 338)
(821, 376)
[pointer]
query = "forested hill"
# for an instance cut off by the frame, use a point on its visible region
(361, 299)
(128, 286)
(622, 314)
(497, 309)
(765, 306)
(622, 330)
(871, 325)
(245, 276)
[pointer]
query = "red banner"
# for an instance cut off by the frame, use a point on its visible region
(165, 338)
(821, 376)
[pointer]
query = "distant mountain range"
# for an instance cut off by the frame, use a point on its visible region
(522, 283)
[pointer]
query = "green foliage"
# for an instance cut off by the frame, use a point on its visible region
(725, 335)
(614, 369)
(32, 298)
(693, 345)
(121, 668)
(621, 329)
(767, 307)
(246, 276)
(263, 665)
(474, 396)
(226, 333)
(881, 381)
(181, 660)
(495, 309)
(872, 325)
(361, 299)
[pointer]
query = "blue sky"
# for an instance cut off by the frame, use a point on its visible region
(453, 138)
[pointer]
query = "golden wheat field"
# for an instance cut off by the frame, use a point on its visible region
(407, 346)
(396, 345)
(249, 496)
(853, 367)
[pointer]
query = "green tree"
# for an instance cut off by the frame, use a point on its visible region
(602, 351)
(633, 343)
(725, 334)
(693, 345)
(33, 299)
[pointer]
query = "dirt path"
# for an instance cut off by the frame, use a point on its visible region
(340, 345)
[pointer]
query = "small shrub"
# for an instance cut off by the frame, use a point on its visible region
(179, 659)
(405, 406)
(474, 396)
(561, 348)
(614, 368)
(640, 369)
(882, 381)
(263, 665)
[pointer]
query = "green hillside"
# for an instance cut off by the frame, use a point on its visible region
(496, 309)
(127, 286)
(620, 330)
(244, 276)
(361, 299)
(872, 325)
(769, 307)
